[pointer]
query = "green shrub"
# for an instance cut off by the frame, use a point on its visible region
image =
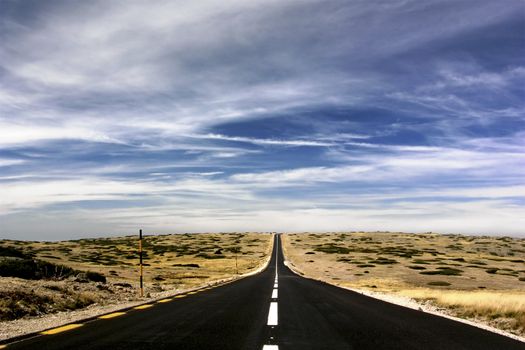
(187, 265)
(383, 261)
(420, 261)
(39, 269)
(33, 269)
(15, 267)
(439, 283)
(95, 277)
(209, 256)
(448, 271)
(332, 249)
(344, 260)
(13, 252)
(458, 259)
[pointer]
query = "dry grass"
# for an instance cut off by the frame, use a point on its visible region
(19, 298)
(171, 262)
(475, 277)
(504, 308)
(367, 259)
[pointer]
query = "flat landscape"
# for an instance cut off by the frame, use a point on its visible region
(45, 278)
(270, 310)
(480, 278)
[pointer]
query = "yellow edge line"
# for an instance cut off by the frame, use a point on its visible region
(180, 296)
(191, 293)
(143, 306)
(61, 329)
(164, 300)
(115, 314)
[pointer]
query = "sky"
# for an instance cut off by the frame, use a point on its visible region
(198, 116)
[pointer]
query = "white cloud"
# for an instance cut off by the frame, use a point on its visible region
(9, 162)
(401, 165)
(21, 195)
(305, 176)
(124, 52)
(484, 78)
(483, 217)
(24, 134)
(270, 142)
(24, 195)
(155, 79)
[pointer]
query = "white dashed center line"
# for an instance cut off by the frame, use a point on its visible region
(271, 347)
(272, 314)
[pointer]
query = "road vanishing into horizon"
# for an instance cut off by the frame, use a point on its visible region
(275, 309)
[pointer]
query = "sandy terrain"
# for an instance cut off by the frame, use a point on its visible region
(477, 278)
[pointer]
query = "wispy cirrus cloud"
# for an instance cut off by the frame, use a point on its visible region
(269, 142)
(399, 167)
(261, 115)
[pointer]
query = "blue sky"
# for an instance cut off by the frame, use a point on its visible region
(191, 116)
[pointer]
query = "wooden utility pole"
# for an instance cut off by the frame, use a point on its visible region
(236, 251)
(140, 265)
(236, 267)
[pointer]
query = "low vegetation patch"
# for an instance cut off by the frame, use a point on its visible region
(447, 271)
(187, 265)
(17, 304)
(39, 269)
(383, 261)
(438, 283)
(429, 260)
(210, 256)
(332, 249)
(66, 275)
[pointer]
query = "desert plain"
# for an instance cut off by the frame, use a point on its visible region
(44, 282)
(481, 278)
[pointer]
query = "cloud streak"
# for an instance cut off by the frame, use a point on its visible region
(221, 115)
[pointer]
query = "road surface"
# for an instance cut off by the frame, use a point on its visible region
(275, 309)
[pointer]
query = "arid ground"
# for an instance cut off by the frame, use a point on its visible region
(40, 278)
(474, 277)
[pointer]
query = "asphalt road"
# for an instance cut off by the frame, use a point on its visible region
(271, 312)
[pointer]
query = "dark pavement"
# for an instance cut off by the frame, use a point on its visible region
(310, 315)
